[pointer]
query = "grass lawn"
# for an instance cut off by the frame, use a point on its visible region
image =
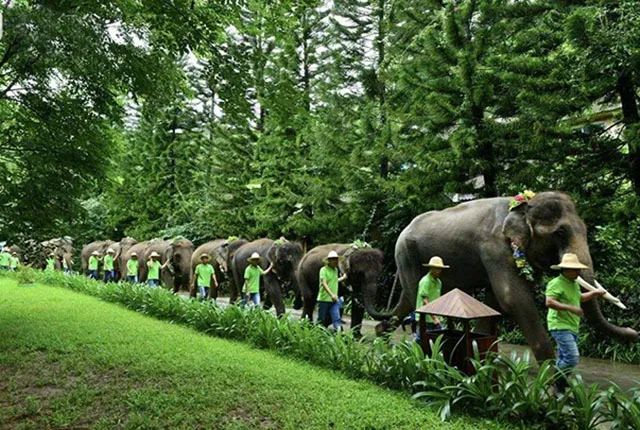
(71, 361)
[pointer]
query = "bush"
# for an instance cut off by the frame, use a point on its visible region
(504, 387)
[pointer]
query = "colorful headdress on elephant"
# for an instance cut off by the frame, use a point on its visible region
(232, 239)
(520, 199)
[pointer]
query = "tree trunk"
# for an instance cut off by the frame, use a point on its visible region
(631, 119)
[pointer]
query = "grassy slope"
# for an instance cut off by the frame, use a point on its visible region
(68, 360)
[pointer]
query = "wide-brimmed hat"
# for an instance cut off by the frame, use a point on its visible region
(93, 253)
(436, 262)
(254, 256)
(332, 254)
(52, 254)
(569, 261)
(204, 256)
(134, 254)
(110, 251)
(154, 254)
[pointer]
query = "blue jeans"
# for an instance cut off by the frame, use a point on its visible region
(109, 275)
(93, 274)
(132, 278)
(153, 283)
(204, 292)
(255, 298)
(332, 309)
(568, 354)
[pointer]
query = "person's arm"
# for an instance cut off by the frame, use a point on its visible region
(166, 263)
(215, 280)
(268, 269)
(590, 295)
(552, 303)
(342, 278)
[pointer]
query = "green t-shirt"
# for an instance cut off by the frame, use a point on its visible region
(93, 263)
(429, 288)
(51, 264)
(252, 278)
(14, 262)
(154, 269)
(330, 275)
(132, 267)
(108, 262)
(204, 272)
(5, 259)
(566, 292)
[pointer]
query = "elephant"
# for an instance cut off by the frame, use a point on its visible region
(363, 267)
(221, 252)
(285, 256)
(140, 249)
(121, 248)
(100, 246)
(177, 251)
(475, 238)
(62, 247)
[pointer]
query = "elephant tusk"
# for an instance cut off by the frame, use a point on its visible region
(587, 286)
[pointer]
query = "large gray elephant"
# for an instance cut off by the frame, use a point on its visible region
(221, 252)
(363, 267)
(285, 256)
(177, 251)
(99, 246)
(475, 239)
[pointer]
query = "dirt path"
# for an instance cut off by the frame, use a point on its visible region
(593, 370)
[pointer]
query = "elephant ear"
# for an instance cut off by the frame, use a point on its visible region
(517, 228)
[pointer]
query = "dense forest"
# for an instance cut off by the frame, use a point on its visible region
(319, 120)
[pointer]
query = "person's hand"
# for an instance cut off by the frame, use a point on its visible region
(578, 311)
(334, 298)
(600, 293)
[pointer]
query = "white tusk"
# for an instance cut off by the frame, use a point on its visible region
(587, 286)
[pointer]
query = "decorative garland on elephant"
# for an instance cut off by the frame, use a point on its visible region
(519, 256)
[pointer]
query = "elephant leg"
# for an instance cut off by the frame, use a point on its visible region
(489, 325)
(516, 299)
(274, 296)
(357, 315)
(409, 276)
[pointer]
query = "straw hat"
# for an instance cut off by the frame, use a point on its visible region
(204, 256)
(134, 254)
(110, 251)
(332, 254)
(96, 253)
(254, 256)
(154, 254)
(437, 263)
(569, 261)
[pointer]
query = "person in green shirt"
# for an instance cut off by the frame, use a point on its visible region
(429, 289)
(108, 266)
(205, 276)
(563, 298)
(94, 260)
(5, 259)
(328, 301)
(51, 263)
(132, 268)
(252, 274)
(154, 267)
(15, 261)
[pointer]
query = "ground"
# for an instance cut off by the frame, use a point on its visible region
(71, 361)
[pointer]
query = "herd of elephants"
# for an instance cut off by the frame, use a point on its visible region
(474, 238)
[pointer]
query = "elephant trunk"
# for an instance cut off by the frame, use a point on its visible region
(369, 293)
(592, 310)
